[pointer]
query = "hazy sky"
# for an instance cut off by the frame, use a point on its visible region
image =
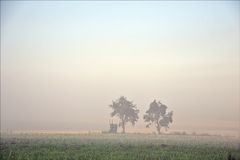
(62, 63)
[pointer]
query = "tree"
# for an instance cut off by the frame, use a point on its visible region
(157, 115)
(125, 110)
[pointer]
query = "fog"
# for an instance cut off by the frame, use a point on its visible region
(61, 69)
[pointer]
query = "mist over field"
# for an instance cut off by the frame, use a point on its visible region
(62, 64)
(114, 80)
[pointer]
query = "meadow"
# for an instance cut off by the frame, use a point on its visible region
(117, 147)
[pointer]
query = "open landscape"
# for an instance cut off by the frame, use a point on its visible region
(120, 80)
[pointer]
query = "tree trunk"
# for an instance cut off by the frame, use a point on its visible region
(123, 126)
(158, 128)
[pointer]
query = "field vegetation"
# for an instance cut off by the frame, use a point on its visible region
(117, 147)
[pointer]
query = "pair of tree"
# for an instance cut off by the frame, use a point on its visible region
(128, 112)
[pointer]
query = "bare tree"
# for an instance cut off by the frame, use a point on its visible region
(125, 110)
(157, 115)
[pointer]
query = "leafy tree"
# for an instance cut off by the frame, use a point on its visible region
(125, 110)
(157, 115)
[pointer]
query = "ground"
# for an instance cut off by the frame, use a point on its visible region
(117, 147)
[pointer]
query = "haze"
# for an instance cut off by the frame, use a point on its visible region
(62, 63)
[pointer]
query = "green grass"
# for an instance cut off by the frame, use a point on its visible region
(116, 147)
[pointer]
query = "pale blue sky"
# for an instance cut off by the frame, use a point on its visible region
(58, 56)
(104, 23)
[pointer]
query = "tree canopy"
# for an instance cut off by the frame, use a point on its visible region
(157, 115)
(125, 110)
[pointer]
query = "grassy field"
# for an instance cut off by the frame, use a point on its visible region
(116, 147)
